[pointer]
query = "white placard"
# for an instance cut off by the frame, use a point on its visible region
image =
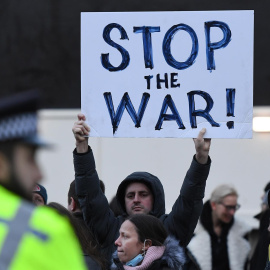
(168, 74)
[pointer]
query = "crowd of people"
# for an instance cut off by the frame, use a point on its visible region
(133, 231)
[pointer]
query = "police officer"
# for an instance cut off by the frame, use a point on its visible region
(30, 237)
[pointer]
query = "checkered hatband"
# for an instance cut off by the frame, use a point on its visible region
(18, 126)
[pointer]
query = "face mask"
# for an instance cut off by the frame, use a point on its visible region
(135, 261)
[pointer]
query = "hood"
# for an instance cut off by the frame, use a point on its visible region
(152, 182)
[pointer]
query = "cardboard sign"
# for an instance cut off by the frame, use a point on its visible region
(168, 74)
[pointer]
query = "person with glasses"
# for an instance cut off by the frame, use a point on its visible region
(220, 239)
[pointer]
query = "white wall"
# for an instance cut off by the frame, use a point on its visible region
(244, 163)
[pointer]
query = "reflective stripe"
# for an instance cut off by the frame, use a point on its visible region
(17, 228)
(42, 236)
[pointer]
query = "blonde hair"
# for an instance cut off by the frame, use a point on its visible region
(222, 191)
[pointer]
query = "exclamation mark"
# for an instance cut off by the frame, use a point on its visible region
(230, 97)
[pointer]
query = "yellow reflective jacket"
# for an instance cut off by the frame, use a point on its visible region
(35, 237)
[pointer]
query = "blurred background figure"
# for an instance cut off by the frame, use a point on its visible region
(260, 252)
(73, 202)
(91, 254)
(75, 209)
(115, 207)
(268, 259)
(39, 196)
(220, 240)
(264, 197)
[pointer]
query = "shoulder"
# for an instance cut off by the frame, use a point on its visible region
(174, 254)
(199, 228)
(52, 218)
(161, 265)
(47, 222)
(91, 263)
(240, 227)
(200, 232)
(267, 266)
(41, 217)
(44, 231)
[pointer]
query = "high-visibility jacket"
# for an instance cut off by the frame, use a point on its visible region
(35, 237)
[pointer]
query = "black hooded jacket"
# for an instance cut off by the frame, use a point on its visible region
(152, 182)
(180, 222)
(260, 255)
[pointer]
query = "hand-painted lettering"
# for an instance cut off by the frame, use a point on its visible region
(125, 103)
(167, 46)
(125, 55)
(203, 113)
(147, 43)
(168, 102)
(211, 46)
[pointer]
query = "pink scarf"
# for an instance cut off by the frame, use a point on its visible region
(153, 253)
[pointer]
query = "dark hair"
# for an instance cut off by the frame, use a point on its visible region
(115, 207)
(149, 227)
(85, 237)
(72, 192)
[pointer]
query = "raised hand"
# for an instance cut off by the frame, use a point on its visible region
(202, 147)
(81, 132)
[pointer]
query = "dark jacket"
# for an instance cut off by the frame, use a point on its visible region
(260, 255)
(267, 267)
(180, 223)
(172, 258)
(90, 261)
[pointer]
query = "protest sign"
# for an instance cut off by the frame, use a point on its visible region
(167, 74)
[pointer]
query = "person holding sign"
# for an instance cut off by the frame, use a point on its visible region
(138, 193)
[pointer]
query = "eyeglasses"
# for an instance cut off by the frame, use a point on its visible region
(231, 207)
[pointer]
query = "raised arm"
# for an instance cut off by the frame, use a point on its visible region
(202, 147)
(186, 211)
(94, 205)
(81, 132)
